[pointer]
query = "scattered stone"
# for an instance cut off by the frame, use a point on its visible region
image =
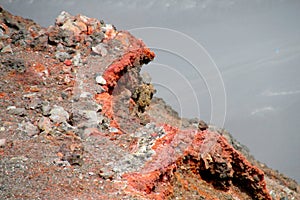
(7, 49)
(29, 95)
(62, 56)
(202, 125)
(14, 64)
(11, 107)
(91, 173)
(46, 108)
(35, 103)
(2, 142)
(45, 124)
(106, 174)
(62, 18)
(61, 163)
(100, 90)
(100, 49)
(113, 130)
(86, 95)
(77, 60)
(59, 115)
(68, 62)
(75, 159)
(16, 111)
(29, 129)
(60, 47)
(85, 118)
(100, 80)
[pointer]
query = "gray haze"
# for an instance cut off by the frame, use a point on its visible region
(255, 44)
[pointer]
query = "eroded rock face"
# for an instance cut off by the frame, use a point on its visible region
(96, 132)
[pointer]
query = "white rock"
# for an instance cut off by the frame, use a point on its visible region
(85, 95)
(113, 130)
(11, 107)
(100, 49)
(100, 80)
(2, 142)
(59, 115)
(7, 49)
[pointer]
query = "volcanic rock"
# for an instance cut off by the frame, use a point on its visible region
(107, 139)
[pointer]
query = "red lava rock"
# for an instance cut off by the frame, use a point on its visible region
(40, 69)
(207, 155)
(68, 62)
(115, 70)
(106, 100)
(3, 95)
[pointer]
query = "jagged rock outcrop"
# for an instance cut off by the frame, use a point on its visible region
(79, 122)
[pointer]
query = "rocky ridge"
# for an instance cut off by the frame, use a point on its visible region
(79, 122)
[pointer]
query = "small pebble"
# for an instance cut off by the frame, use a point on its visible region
(7, 49)
(68, 62)
(2, 142)
(100, 80)
(113, 130)
(91, 173)
(100, 49)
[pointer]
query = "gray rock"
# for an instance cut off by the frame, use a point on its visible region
(29, 129)
(85, 118)
(62, 56)
(100, 90)
(7, 49)
(2, 142)
(16, 111)
(100, 80)
(113, 130)
(60, 47)
(46, 108)
(34, 104)
(45, 124)
(86, 95)
(59, 115)
(77, 60)
(61, 163)
(62, 18)
(106, 174)
(100, 49)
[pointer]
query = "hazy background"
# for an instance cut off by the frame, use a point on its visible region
(255, 44)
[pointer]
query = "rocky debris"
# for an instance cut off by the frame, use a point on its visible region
(100, 80)
(46, 108)
(45, 125)
(12, 64)
(202, 126)
(58, 114)
(16, 111)
(2, 142)
(100, 49)
(7, 49)
(29, 129)
(98, 133)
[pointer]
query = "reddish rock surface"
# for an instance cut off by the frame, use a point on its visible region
(65, 135)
